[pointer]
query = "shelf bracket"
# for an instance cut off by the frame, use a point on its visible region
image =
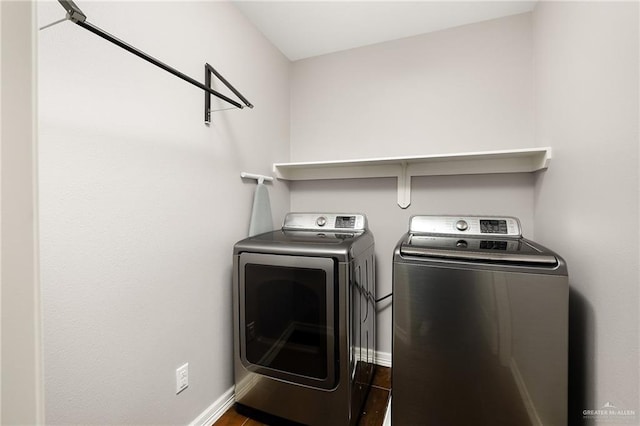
(404, 186)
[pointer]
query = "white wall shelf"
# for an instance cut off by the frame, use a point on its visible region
(404, 168)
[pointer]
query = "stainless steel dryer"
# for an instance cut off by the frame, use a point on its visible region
(304, 318)
(480, 325)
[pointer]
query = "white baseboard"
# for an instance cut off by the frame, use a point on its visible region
(382, 358)
(216, 410)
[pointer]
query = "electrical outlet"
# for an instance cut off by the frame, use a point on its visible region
(182, 378)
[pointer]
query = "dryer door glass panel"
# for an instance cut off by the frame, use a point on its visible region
(288, 315)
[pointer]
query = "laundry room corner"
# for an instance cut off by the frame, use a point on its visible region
(141, 202)
(228, 259)
(415, 96)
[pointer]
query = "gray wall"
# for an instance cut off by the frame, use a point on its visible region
(565, 76)
(141, 204)
(464, 89)
(586, 69)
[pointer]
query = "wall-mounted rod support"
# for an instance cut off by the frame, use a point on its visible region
(66, 18)
(73, 11)
(78, 17)
(208, 70)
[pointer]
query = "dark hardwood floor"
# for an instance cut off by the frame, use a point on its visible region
(375, 406)
(372, 415)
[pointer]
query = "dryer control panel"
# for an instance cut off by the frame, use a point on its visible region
(473, 226)
(327, 222)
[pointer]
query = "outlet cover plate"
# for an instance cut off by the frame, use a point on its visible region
(182, 378)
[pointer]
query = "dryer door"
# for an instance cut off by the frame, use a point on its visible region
(287, 317)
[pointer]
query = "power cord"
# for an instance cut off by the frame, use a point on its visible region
(384, 297)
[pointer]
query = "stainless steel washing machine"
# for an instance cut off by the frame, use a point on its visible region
(304, 318)
(480, 325)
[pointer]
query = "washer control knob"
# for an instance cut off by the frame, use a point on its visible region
(321, 221)
(462, 225)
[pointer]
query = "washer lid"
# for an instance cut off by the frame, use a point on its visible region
(292, 237)
(486, 250)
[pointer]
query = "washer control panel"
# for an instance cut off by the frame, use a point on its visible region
(507, 227)
(327, 222)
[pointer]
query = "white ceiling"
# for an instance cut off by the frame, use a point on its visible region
(303, 28)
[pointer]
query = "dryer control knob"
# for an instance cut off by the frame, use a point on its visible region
(462, 225)
(321, 221)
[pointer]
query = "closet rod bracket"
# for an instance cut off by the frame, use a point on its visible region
(73, 11)
(208, 71)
